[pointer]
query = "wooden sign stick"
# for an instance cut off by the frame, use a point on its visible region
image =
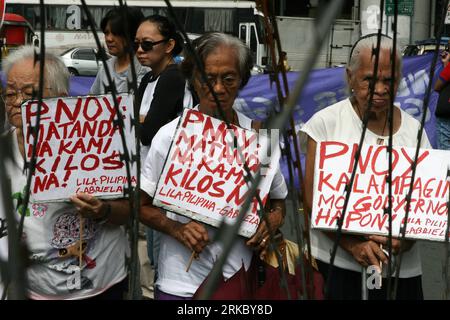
(191, 259)
(80, 258)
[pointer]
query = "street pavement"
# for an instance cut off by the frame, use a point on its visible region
(433, 256)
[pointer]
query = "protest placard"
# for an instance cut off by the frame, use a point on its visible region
(369, 195)
(203, 177)
(79, 146)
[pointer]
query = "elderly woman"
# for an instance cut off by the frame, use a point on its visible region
(343, 122)
(227, 63)
(52, 230)
(119, 43)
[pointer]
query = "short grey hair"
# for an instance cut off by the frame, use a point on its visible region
(56, 74)
(370, 42)
(209, 42)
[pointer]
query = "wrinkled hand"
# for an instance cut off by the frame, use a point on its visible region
(395, 244)
(368, 253)
(261, 238)
(89, 206)
(193, 235)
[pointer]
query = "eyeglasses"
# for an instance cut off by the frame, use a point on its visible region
(227, 80)
(147, 45)
(10, 95)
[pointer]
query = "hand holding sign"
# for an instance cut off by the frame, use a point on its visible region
(395, 244)
(79, 146)
(260, 240)
(90, 207)
(368, 200)
(366, 252)
(193, 235)
(203, 177)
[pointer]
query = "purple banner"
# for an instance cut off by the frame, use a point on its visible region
(328, 86)
(325, 87)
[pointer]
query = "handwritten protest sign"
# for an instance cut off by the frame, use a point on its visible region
(203, 177)
(79, 146)
(369, 195)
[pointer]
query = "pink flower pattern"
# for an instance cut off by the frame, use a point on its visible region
(39, 209)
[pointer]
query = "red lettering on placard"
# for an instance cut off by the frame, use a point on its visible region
(324, 156)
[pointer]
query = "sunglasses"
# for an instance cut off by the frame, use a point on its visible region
(147, 45)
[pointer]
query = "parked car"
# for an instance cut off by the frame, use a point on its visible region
(81, 61)
(424, 46)
(257, 69)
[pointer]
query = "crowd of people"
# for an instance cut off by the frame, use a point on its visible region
(164, 89)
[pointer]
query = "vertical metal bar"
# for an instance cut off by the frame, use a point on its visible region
(119, 121)
(390, 145)
(445, 265)
(403, 227)
(348, 190)
(364, 289)
(227, 234)
(15, 280)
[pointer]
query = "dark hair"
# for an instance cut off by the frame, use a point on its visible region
(167, 30)
(207, 43)
(115, 17)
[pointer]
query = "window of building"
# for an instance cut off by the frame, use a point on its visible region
(310, 8)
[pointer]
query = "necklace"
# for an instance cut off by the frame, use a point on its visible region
(380, 141)
(359, 111)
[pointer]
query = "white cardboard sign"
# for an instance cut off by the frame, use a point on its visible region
(369, 195)
(79, 146)
(203, 177)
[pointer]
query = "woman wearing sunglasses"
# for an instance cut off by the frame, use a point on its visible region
(162, 93)
(118, 43)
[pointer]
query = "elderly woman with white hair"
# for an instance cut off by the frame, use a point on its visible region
(227, 62)
(52, 230)
(343, 122)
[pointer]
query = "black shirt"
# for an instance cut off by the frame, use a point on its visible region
(167, 102)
